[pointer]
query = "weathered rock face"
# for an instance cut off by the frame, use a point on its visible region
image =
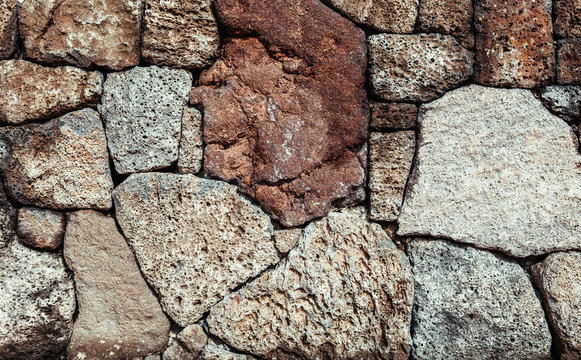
(7, 219)
(180, 33)
(61, 164)
(514, 43)
(82, 33)
(345, 291)
(450, 17)
(37, 303)
(8, 27)
(142, 110)
(119, 317)
(487, 174)
(279, 118)
(41, 228)
(191, 142)
(393, 116)
(569, 61)
(287, 239)
(416, 67)
(195, 239)
(30, 92)
(220, 352)
(567, 18)
(471, 304)
(194, 338)
(564, 101)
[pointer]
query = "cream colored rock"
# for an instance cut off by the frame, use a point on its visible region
(8, 27)
(191, 143)
(287, 239)
(41, 228)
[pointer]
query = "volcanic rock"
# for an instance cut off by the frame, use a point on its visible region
(567, 18)
(286, 239)
(569, 61)
(191, 142)
(393, 116)
(7, 219)
(41, 228)
(450, 17)
(8, 27)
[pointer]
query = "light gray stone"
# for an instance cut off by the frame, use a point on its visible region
(191, 143)
(564, 101)
(221, 352)
(7, 219)
(287, 239)
(495, 169)
(41, 228)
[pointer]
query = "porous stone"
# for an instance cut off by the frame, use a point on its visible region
(83, 33)
(7, 219)
(8, 27)
(344, 292)
(37, 303)
(416, 67)
(390, 161)
(61, 164)
(142, 109)
(495, 169)
(471, 304)
(41, 228)
(564, 101)
(195, 239)
(287, 239)
(191, 142)
(450, 17)
(567, 18)
(514, 43)
(569, 61)
(393, 116)
(285, 107)
(180, 33)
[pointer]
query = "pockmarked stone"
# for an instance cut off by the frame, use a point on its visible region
(195, 239)
(41, 228)
(390, 161)
(471, 304)
(450, 17)
(287, 239)
(569, 61)
(37, 303)
(142, 109)
(417, 67)
(180, 33)
(61, 164)
(221, 352)
(514, 43)
(567, 18)
(563, 101)
(497, 170)
(8, 27)
(343, 292)
(84, 33)
(31, 92)
(8, 216)
(191, 142)
(393, 116)
(119, 317)
(285, 106)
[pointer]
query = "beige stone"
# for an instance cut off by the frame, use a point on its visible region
(191, 143)
(287, 239)
(8, 27)
(41, 228)
(194, 339)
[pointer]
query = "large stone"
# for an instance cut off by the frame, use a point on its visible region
(142, 109)
(345, 292)
(195, 239)
(191, 142)
(569, 61)
(41, 228)
(567, 18)
(37, 303)
(30, 92)
(61, 164)
(416, 67)
(471, 304)
(8, 27)
(180, 33)
(119, 317)
(514, 43)
(7, 219)
(83, 33)
(451, 17)
(393, 116)
(285, 107)
(495, 169)
(564, 101)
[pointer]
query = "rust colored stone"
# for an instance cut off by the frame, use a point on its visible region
(569, 61)
(450, 17)
(393, 116)
(567, 18)
(8, 27)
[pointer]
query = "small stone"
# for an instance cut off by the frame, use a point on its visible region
(287, 239)
(7, 219)
(393, 116)
(569, 61)
(564, 101)
(177, 351)
(220, 352)
(497, 170)
(567, 18)
(344, 292)
(194, 338)
(180, 33)
(8, 27)
(119, 317)
(195, 239)
(514, 43)
(61, 164)
(450, 17)
(191, 143)
(41, 228)
(83, 33)
(37, 303)
(471, 304)
(142, 109)
(390, 161)
(416, 67)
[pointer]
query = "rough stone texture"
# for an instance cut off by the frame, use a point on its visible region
(497, 170)
(471, 304)
(41, 228)
(177, 351)
(8, 27)
(279, 119)
(344, 292)
(220, 352)
(451, 17)
(564, 101)
(416, 67)
(194, 338)
(287, 239)
(180, 33)
(61, 164)
(514, 43)
(558, 278)
(393, 16)
(191, 142)
(37, 303)
(142, 110)
(390, 161)
(569, 61)
(30, 92)
(393, 116)
(195, 239)
(7, 219)
(567, 18)
(82, 33)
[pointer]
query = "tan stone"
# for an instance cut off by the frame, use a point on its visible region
(8, 27)
(393, 116)
(194, 338)
(41, 228)
(569, 61)
(450, 17)
(287, 239)
(567, 18)
(191, 142)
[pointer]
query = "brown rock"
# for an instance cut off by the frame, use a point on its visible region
(393, 116)
(567, 18)
(514, 43)
(82, 32)
(8, 27)
(191, 142)
(277, 118)
(41, 228)
(569, 61)
(7, 219)
(30, 92)
(450, 17)
(119, 317)
(194, 339)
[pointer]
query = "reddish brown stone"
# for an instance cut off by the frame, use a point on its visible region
(285, 110)
(450, 17)
(8, 27)
(393, 116)
(569, 61)
(514, 43)
(567, 18)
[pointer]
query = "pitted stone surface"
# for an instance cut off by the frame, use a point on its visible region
(287, 239)
(567, 18)
(393, 116)
(8, 27)
(497, 170)
(41, 228)
(221, 352)
(569, 61)
(564, 101)
(195, 239)
(344, 292)
(7, 219)
(191, 142)
(450, 17)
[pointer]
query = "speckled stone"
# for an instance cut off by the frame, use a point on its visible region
(567, 18)
(41, 228)
(8, 27)
(191, 142)
(7, 219)
(450, 17)
(393, 116)
(563, 101)
(569, 61)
